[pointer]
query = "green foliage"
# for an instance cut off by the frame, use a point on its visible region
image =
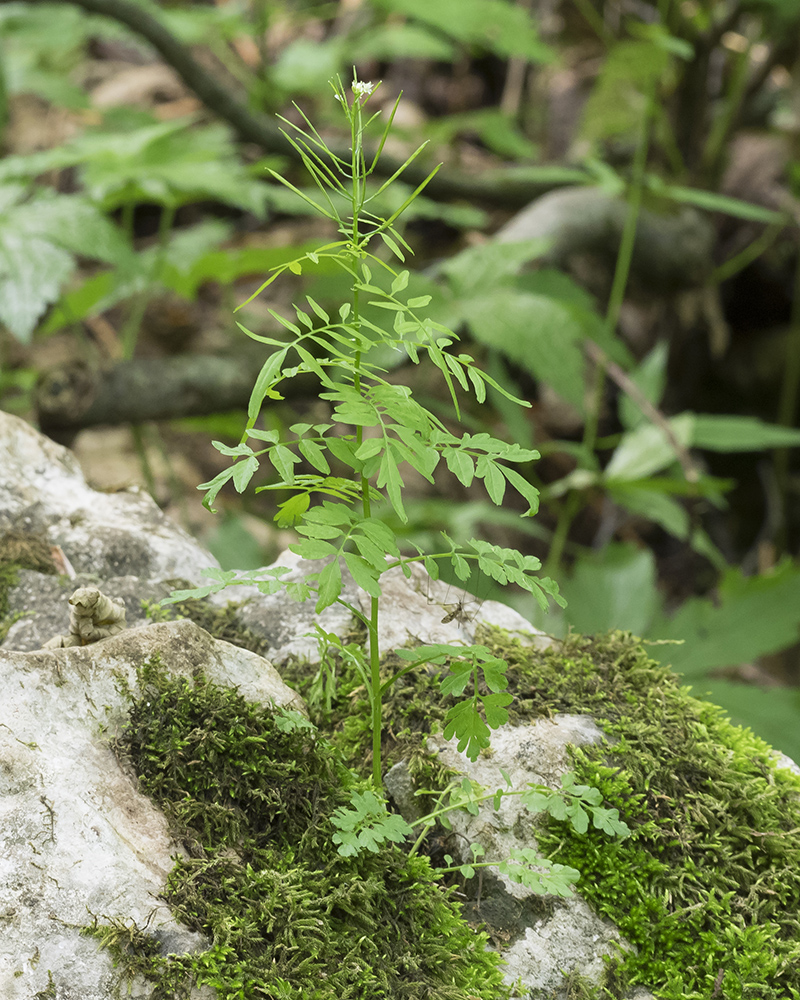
(42, 45)
(367, 825)
(488, 24)
(40, 236)
(526, 867)
(167, 163)
(577, 804)
(617, 585)
(467, 666)
(539, 321)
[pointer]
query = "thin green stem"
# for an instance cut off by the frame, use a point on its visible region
(722, 128)
(751, 252)
(376, 700)
(790, 387)
(566, 515)
(375, 672)
(140, 446)
(615, 300)
(130, 332)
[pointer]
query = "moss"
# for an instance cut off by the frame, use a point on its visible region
(249, 793)
(708, 886)
(222, 623)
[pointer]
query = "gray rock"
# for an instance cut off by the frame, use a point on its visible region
(79, 839)
(539, 947)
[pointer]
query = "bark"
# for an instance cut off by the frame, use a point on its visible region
(75, 396)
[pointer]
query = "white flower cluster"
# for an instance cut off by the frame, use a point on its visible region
(362, 89)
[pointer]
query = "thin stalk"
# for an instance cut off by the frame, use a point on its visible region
(565, 518)
(616, 297)
(376, 701)
(722, 128)
(140, 446)
(130, 332)
(623, 266)
(787, 404)
(750, 253)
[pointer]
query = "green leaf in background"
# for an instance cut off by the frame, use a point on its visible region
(198, 24)
(713, 202)
(653, 505)
(650, 376)
(772, 713)
(491, 25)
(487, 265)
(234, 546)
(496, 130)
(305, 66)
(38, 241)
(43, 45)
(400, 41)
(747, 618)
(644, 498)
(536, 332)
(731, 433)
(612, 589)
(168, 163)
(616, 103)
(646, 450)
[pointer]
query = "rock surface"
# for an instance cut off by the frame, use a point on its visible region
(79, 839)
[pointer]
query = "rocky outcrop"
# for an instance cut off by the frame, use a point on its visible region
(80, 841)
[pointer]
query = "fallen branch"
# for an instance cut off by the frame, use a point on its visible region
(75, 396)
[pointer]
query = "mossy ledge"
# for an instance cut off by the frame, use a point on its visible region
(248, 793)
(708, 886)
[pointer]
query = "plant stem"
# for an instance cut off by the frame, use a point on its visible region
(375, 672)
(615, 299)
(787, 404)
(130, 332)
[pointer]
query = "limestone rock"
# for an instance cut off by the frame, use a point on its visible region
(106, 534)
(79, 839)
(542, 948)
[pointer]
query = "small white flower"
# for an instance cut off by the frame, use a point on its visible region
(361, 89)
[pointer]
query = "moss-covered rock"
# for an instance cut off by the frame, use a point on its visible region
(249, 793)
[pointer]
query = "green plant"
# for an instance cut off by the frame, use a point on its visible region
(375, 426)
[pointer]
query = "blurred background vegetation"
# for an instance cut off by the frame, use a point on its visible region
(613, 233)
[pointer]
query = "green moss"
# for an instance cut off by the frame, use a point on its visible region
(250, 793)
(708, 886)
(222, 623)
